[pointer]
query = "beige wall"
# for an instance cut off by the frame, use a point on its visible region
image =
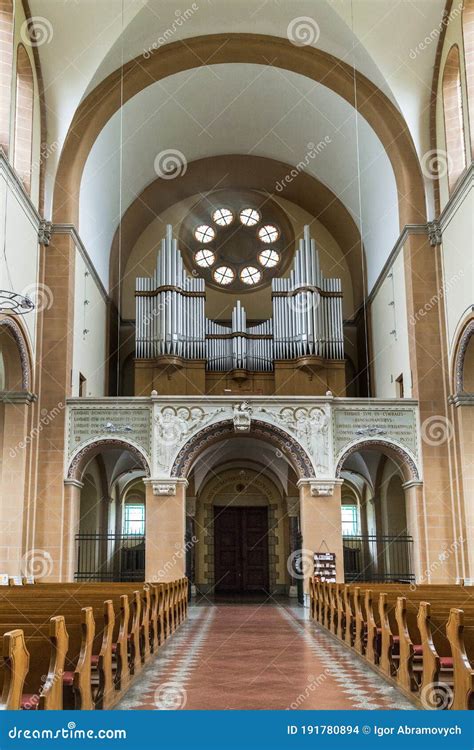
(390, 354)
(89, 351)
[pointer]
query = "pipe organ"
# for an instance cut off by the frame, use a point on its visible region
(306, 323)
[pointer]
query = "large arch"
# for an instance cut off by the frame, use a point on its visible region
(86, 453)
(16, 332)
(224, 430)
(238, 172)
(460, 357)
(99, 106)
(399, 455)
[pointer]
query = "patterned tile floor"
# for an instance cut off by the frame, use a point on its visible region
(254, 656)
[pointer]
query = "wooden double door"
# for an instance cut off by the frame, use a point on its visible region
(241, 549)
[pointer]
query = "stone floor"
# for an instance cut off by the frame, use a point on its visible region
(257, 656)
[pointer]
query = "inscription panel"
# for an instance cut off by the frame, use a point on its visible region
(129, 423)
(359, 423)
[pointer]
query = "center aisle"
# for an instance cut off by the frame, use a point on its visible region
(254, 656)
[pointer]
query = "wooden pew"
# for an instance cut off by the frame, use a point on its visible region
(460, 633)
(14, 669)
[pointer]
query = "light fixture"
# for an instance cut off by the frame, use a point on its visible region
(14, 303)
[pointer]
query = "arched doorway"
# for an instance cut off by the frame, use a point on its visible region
(381, 522)
(106, 482)
(16, 441)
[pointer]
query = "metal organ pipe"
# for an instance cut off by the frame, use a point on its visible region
(306, 321)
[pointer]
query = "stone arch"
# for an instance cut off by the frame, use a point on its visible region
(16, 331)
(6, 69)
(24, 117)
(82, 457)
(460, 357)
(121, 85)
(398, 454)
(283, 441)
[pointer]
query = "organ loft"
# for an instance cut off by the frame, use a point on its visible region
(299, 349)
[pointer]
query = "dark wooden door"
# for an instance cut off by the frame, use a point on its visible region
(241, 549)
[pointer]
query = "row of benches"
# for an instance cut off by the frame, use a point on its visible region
(420, 637)
(79, 646)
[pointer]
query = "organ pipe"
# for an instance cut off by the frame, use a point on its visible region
(306, 321)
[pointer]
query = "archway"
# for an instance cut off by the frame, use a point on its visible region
(387, 542)
(16, 438)
(104, 489)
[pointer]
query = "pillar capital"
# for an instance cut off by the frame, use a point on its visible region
(320, 487)
(165, 487)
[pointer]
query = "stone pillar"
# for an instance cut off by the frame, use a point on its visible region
(416, 527)
(165, 553)
(463, 417)
(190, 542)
(321, 523)
(72, 510)
(293, 509)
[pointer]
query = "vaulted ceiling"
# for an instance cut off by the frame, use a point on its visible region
(239, 108)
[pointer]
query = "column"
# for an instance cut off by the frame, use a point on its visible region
(293, 509)
(165, 551)
(72, 509)
(321, 523)
(190, 542)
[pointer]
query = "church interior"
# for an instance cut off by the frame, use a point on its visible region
(237, 354)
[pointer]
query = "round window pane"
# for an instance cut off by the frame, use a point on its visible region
(204, 258)
(204, 233)
(269, 233)
(249, 217)
(223, 217)
(269, 258)
(224, 275)
(250, 275)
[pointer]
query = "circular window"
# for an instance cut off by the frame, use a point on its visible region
(250, 275)
(204, 258)
(224, 275)
(269, 233)
(223, 217)
(269, 258)
(249, 217)
(204, 233)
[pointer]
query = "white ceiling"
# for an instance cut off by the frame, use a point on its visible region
(252, 110)
(91, 39)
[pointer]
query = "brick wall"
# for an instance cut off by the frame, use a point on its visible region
(468, 32)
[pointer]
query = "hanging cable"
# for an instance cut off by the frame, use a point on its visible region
(359, 182)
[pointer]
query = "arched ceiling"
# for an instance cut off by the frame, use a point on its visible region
(245, 114)
(238, 108)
